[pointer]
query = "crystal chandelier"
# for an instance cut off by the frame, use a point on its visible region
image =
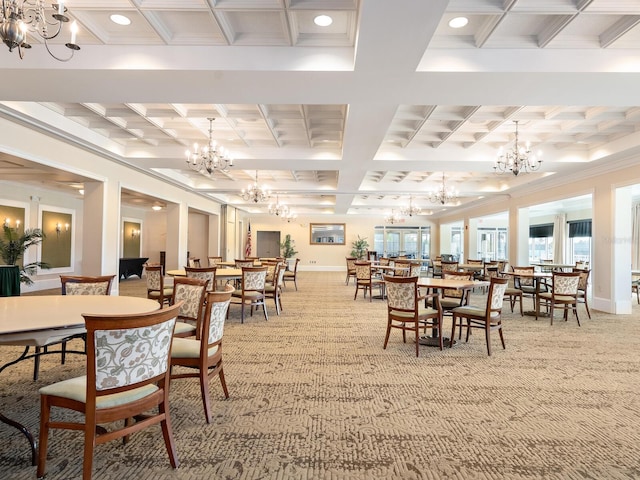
(20, 18)
(410, 210)
(393, 218)
(210, 158)
(290, 217)
(443, 194)
(255, 192)
(278, 209)
(518, 159)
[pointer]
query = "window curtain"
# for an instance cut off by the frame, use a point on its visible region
(635, 238)
(580, 228)
(541, 231)
(559, 237)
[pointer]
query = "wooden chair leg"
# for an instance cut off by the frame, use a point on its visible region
(45, 412)
(204, 393)
(487, 334)
(223, 383)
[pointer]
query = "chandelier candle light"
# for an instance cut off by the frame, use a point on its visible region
(255, 192)
(210, 158)
(443, 194)
(21, 17)
(290, 217)
(518, 159)
(411, 210)
(393, 218)
(278, 209)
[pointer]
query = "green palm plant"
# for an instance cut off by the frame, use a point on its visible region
(13, 246)
(359, 248)
(287, 247)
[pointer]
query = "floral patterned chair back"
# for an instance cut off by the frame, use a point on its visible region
(565, 283)
(155, 284)
(215, 315)
(83, 285)
(190, 292)
(401, 296)
(214, 261)
(127, 374)
(523, 281)
(204, 273)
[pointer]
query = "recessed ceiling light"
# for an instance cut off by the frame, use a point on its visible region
(120, 19)
(323, 20)
(458, 22)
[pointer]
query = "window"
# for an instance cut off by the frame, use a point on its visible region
(492, 243)
(579, 241)
(540, 242)
(456, 243)
(395, 241)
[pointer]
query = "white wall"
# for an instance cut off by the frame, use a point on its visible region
(325, 256)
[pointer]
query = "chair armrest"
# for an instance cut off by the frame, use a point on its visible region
(435, 297)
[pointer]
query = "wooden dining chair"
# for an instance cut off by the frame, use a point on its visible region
(203, 354)
(274, 289)
(251, 291)
(156, 288)
(203, 273)
(365, 280)
(448, 266)
(240, 263)
(563, 294)
(583, 285)
(74, 285)
(121, 384)
(453, 297)
(190, 293)
(487, 318)
(406, 310)
(351, 269)
(526, 285)
(214, 261)
(292, 275)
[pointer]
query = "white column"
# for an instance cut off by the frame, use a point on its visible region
(177, 234)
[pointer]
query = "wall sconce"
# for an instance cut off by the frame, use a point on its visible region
(7, 223)
(59, 228)
(135, 233)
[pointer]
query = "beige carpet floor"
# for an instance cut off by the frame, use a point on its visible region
(314, 396)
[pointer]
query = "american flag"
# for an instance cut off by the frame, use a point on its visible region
(247, 246)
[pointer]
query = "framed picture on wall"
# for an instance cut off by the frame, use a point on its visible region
(58, 246)
(320, 233)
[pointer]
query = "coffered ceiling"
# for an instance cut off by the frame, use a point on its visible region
(348, 119)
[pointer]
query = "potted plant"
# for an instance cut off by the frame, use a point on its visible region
(13, 246)
(287, 249)
(359, 248)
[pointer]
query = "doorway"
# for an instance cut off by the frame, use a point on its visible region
(268, 244)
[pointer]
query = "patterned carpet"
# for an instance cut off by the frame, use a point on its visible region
(314, 396)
